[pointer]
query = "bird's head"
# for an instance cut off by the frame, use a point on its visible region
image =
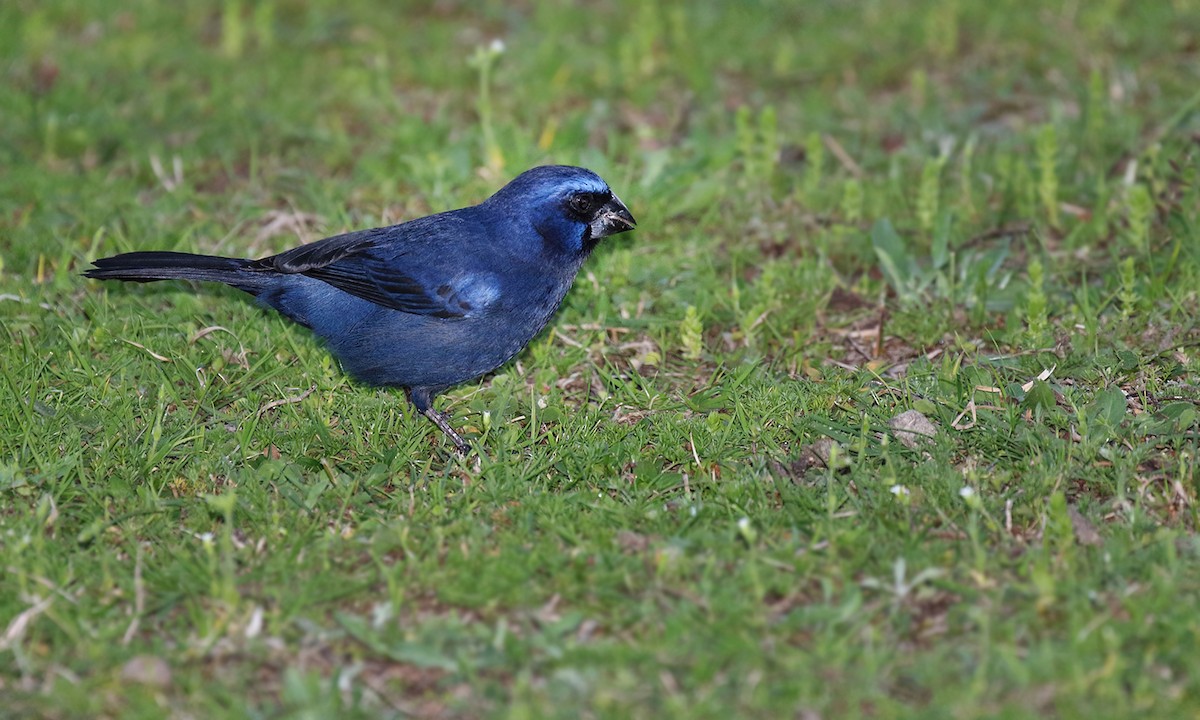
(570, 207)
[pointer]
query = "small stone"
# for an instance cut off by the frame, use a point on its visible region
(814, 456)
(147, 670)
(1085, 531)
(912, 428)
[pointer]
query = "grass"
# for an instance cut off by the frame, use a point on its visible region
(689, 499)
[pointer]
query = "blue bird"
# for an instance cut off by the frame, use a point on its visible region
(432, 302)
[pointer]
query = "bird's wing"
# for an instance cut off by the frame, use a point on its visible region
(407, 275)
(384, 284)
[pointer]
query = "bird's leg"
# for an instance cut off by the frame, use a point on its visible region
(440, 420)
(422, 400)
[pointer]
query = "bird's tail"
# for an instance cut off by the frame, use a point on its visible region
(151, 266)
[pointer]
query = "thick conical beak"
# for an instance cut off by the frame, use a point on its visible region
(612, 218)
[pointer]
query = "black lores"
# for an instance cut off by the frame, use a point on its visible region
(428, 303)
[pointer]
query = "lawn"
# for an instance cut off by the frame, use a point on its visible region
(888, 408)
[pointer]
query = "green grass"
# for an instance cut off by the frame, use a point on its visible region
(986, 212)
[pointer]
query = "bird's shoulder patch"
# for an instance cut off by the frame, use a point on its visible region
(471, 293)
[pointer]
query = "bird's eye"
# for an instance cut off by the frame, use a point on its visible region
(582, 204)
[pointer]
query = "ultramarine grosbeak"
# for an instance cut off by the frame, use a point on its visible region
(431, 302)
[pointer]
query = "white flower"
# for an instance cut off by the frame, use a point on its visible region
(967, 492)
(497, 46)
(746, 530)
(899, 491)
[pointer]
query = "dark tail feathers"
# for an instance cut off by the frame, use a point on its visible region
(150, 266)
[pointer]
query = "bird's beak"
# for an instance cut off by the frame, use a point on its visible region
(612, 218)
